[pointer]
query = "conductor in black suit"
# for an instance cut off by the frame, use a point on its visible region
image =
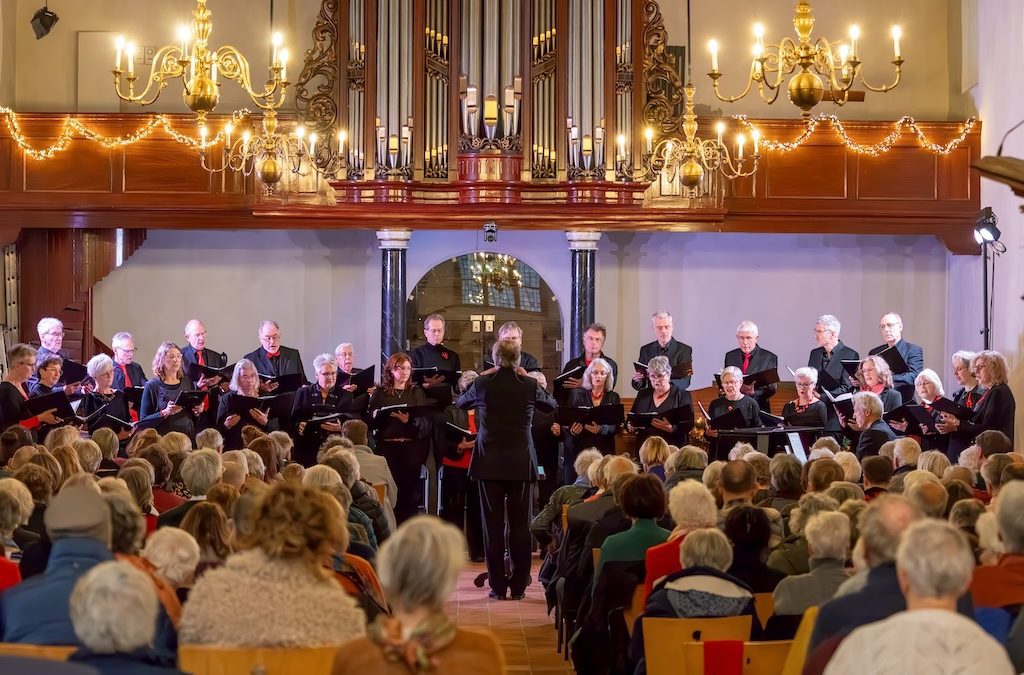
(892, 332)
(665, 345)
(505, 463)
(750, 358)
(828, 358)
(196, 352)
(271, 358)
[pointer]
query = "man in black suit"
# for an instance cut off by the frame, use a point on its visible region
(828, 358)
(750, 358)
(505, 463)
(874, 432)
(196, 352)
(593, 344)
(434, 354)
(892, 332)
(200, 471)
(665, 345)
(271, 358)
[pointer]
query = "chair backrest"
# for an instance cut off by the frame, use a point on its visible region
(631, 613)
(764, 607)
(596, 553)
(662, 638)
(223, 661)
(565, 518)
(759, 658)
(382, 491)
(798, 652)
(48, 652)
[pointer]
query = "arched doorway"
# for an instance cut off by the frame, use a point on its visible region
(476, 293)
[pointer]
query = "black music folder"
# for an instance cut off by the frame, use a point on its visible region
(382, 415)
(134, 396)
(451, 377)
(598, 414)
(285, 383)
(455, 432)
(190, 399)
(851, 367)
(363, 380)
(197, 372)
(73, 371)
(913, 415)
(733, 419)
(961, 412)
(641, 420)
(58, 401)
(843, 404)
(895, 360)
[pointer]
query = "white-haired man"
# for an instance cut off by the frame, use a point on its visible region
(827, 358)
(679, 355)
(891, 326)
(197, 353)
(271, 358)
(934, 563)
(751, 358)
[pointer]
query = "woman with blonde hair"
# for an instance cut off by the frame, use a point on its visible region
(294, 530)
(653, 453)
(68, 460)
(994, 411)
(160, 393)
(208, 523)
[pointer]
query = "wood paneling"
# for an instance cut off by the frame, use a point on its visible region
(813, 172)
(90, 170)
(6, 163)
(902, 173)
(156, 166)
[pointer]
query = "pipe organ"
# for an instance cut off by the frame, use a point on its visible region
(442, 90)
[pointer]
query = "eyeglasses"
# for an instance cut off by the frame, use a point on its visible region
(55, 333)
(270, 338)
(126, 351)
(805, 384)
(888, 325)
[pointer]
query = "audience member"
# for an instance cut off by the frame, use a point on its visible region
(828, 546)
(792, 556)
(208, 524)
(642, 498)
(737, 484)
(850, 465)
(877, 474)
(692, 507)
(201, 470)
(749, 531)
(1002, 584)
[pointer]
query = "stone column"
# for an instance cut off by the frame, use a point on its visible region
(583, 245)
(393, 247)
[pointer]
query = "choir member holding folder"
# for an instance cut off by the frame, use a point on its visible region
(160, 394)
(319, 409)
(21, 363)
(967, 396)
(917, 418)
(357, 381)
(48, 372)
(398, 413)
(207, 368)
(271, 359)
(996, 408)
(678, 355)
(874, 375)
(572, 374)
(662, 409)
(434, 354)
(105, 397)
(750, 358)
(732, 410)
(827, 359)
(241, 405)
(806, 410)
(127, 373)
(904, 358)
(578, 423)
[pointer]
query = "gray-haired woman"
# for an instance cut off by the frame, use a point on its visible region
(662, 397)
(418, 568)
(319, 399)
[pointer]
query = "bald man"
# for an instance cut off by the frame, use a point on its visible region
(891, 326)
(197, 352)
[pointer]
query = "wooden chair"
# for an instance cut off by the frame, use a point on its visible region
(759, 658)
(764, 607)
(662, 638)
(632, 613)
(382, 491)
(596, 553)
(48, 652)
(798, 652)
(227, 661)
(565, 518)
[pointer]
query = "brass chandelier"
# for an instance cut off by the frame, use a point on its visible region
(826, 69)
(199, 68)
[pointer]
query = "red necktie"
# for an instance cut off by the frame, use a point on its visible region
(199, 358)
(127, 383)
(746, 362)
(202, 361)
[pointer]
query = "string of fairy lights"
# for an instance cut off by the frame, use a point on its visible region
(872, 150)
(73, 129)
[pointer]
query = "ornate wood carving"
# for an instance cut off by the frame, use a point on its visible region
(318, 90)
(664, 101)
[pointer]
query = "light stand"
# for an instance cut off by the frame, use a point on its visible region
(987, 234)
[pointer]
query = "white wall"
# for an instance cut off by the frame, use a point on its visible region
(323, 287)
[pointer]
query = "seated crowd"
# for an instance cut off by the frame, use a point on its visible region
(908, 560)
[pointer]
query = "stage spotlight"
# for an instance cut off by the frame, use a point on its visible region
(42, 21)
(985, 230)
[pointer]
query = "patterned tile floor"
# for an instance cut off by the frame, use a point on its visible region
(525, 631)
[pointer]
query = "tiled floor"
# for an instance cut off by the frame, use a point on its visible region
(523, 628)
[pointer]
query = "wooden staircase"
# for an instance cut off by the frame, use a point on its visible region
(58, 269)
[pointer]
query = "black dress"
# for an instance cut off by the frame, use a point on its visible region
(156, 395)
(751, 418)
(233, 436)
(12, 406)
(404, 446)
(117, 406)
(603, 440)
(815, 415)
(958, 441)
(676, 398)
(310, 402)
